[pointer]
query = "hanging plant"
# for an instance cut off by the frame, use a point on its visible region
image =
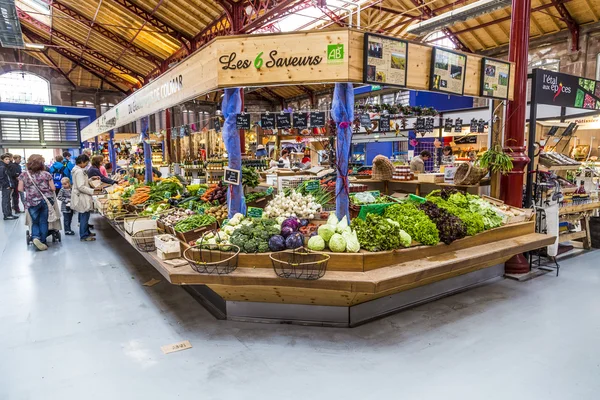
(496, 160)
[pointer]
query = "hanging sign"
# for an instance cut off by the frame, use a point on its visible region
(217, 124)
(384, 123)
(317, 119)
(467, 139)
(458, 125)
(48, 109)
(420, 125)
(429, 124)
(365, 120)
(232, 176)
(495, 76)
(300, 120)
(473, 126)
(284, 120)
(254, 212)
(480, 126)
(565, 90)
(448, 70)
(385, 60)
(267, 121)
(448, 125)
(242, 121)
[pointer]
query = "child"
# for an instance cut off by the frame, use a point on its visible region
(64, 195)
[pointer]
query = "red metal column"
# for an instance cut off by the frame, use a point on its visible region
(511, 186)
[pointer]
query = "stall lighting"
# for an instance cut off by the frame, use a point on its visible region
(35, 46)
(459, 15)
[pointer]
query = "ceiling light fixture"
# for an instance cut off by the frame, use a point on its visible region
(34, 46)
(459, 15)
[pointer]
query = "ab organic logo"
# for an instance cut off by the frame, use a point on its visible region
(335, 53)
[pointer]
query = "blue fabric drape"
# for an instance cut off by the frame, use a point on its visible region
(147, 151)
(232, 105)
(112, 155)
(342, 112)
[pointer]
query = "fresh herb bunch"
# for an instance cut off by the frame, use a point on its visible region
(414, 222)
(450, 227)
(377, 233)
(458, 205)
(250, 197)
(496, 160)
(194, 222)
(250, 177)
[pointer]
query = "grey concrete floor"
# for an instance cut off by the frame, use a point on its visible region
(76, 323)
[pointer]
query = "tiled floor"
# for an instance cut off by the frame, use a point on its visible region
(76, 323)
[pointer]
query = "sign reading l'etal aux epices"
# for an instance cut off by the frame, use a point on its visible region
(566, 90)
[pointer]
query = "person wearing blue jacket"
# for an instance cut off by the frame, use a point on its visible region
(59, 170)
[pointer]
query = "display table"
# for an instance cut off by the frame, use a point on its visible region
(416, 187)
(357, 287)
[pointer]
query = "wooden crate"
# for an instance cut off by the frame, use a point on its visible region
(430, 178)
(195, 234)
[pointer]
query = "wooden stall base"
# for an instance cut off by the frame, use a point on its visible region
(346, 288)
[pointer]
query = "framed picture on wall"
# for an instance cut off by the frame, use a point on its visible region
(495, 78)
(448, 71)
(385, 60)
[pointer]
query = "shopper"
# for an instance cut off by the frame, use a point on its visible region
(88, 153)
(447, 157)
(94, 171)
(417, 164)
(16, 166)
(64, 195)
(59, 170)
(81, 197)
(6, 186)
(38, 185)
(67, 161)
(108, 169)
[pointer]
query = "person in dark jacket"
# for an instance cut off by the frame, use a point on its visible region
(6, 186)
(94, 171)
(15, 171)
(59, 170)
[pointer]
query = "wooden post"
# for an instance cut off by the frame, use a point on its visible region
(496, 140)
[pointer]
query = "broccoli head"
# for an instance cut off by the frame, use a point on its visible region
(263, 247)
(251, 246)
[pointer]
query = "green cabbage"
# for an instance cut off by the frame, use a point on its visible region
(326, 231)
(332, 220)
(316, 243)
(342, 225)
(405, 239)
(337, 244)
(352, 244)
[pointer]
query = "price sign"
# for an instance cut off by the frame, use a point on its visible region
(420, 125)
(217, 124)
(167, 195)
(365, 120)
(448, 124)
(317, 119)
(458, 125)
(300, 120)
(269, 191)
(232, 176)
(384, 123)
(254, 212)
(267, 121)
(284, 120)
(311, 186)
(242, 121)
(429, 123)
(473, 126)
(170, 348)
(375, 193)
(480, 126)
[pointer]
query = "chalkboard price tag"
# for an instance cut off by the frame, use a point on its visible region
(284, 120)
(311, 186)
(267, 121)
(365, 120)
(232, 176)
(317, 119)
(254, 212)
(448, 124)
(480, 126)
(458, 125)
(473, 126)
(300, 120)
(242, 121)
(218, 124)
(420, 125)
(384, 123)
(429, 124)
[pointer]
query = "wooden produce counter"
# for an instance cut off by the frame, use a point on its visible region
(417, 187)
(357, 278)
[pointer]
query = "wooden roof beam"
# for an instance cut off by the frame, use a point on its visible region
(274, 95)
(571, 23)
(92, 68)
(120, 40)
(24, 16)
(425, 10)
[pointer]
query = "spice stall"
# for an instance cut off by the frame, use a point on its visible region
(301, 257)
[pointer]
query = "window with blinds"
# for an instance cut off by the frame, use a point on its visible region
(59, 131)
(37, 131)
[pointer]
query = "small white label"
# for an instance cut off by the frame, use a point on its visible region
(171, 348)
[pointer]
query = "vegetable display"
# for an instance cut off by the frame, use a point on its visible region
(194, 189)
(458, 205)
(253, 235)
(167, 188)
(450, 227)
(377, 233)
(294, 205)
(140, 196)
(154, 209)
(253, 196)
(250, 177)
(217, 192)
(175, 215)
(194, 222)
(414, 222)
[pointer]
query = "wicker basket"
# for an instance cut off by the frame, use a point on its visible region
(383, 169)
(468, 174)
(299, 264)
(212, 259)
(144, 240)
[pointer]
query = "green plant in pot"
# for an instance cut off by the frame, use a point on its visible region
(496, 160)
